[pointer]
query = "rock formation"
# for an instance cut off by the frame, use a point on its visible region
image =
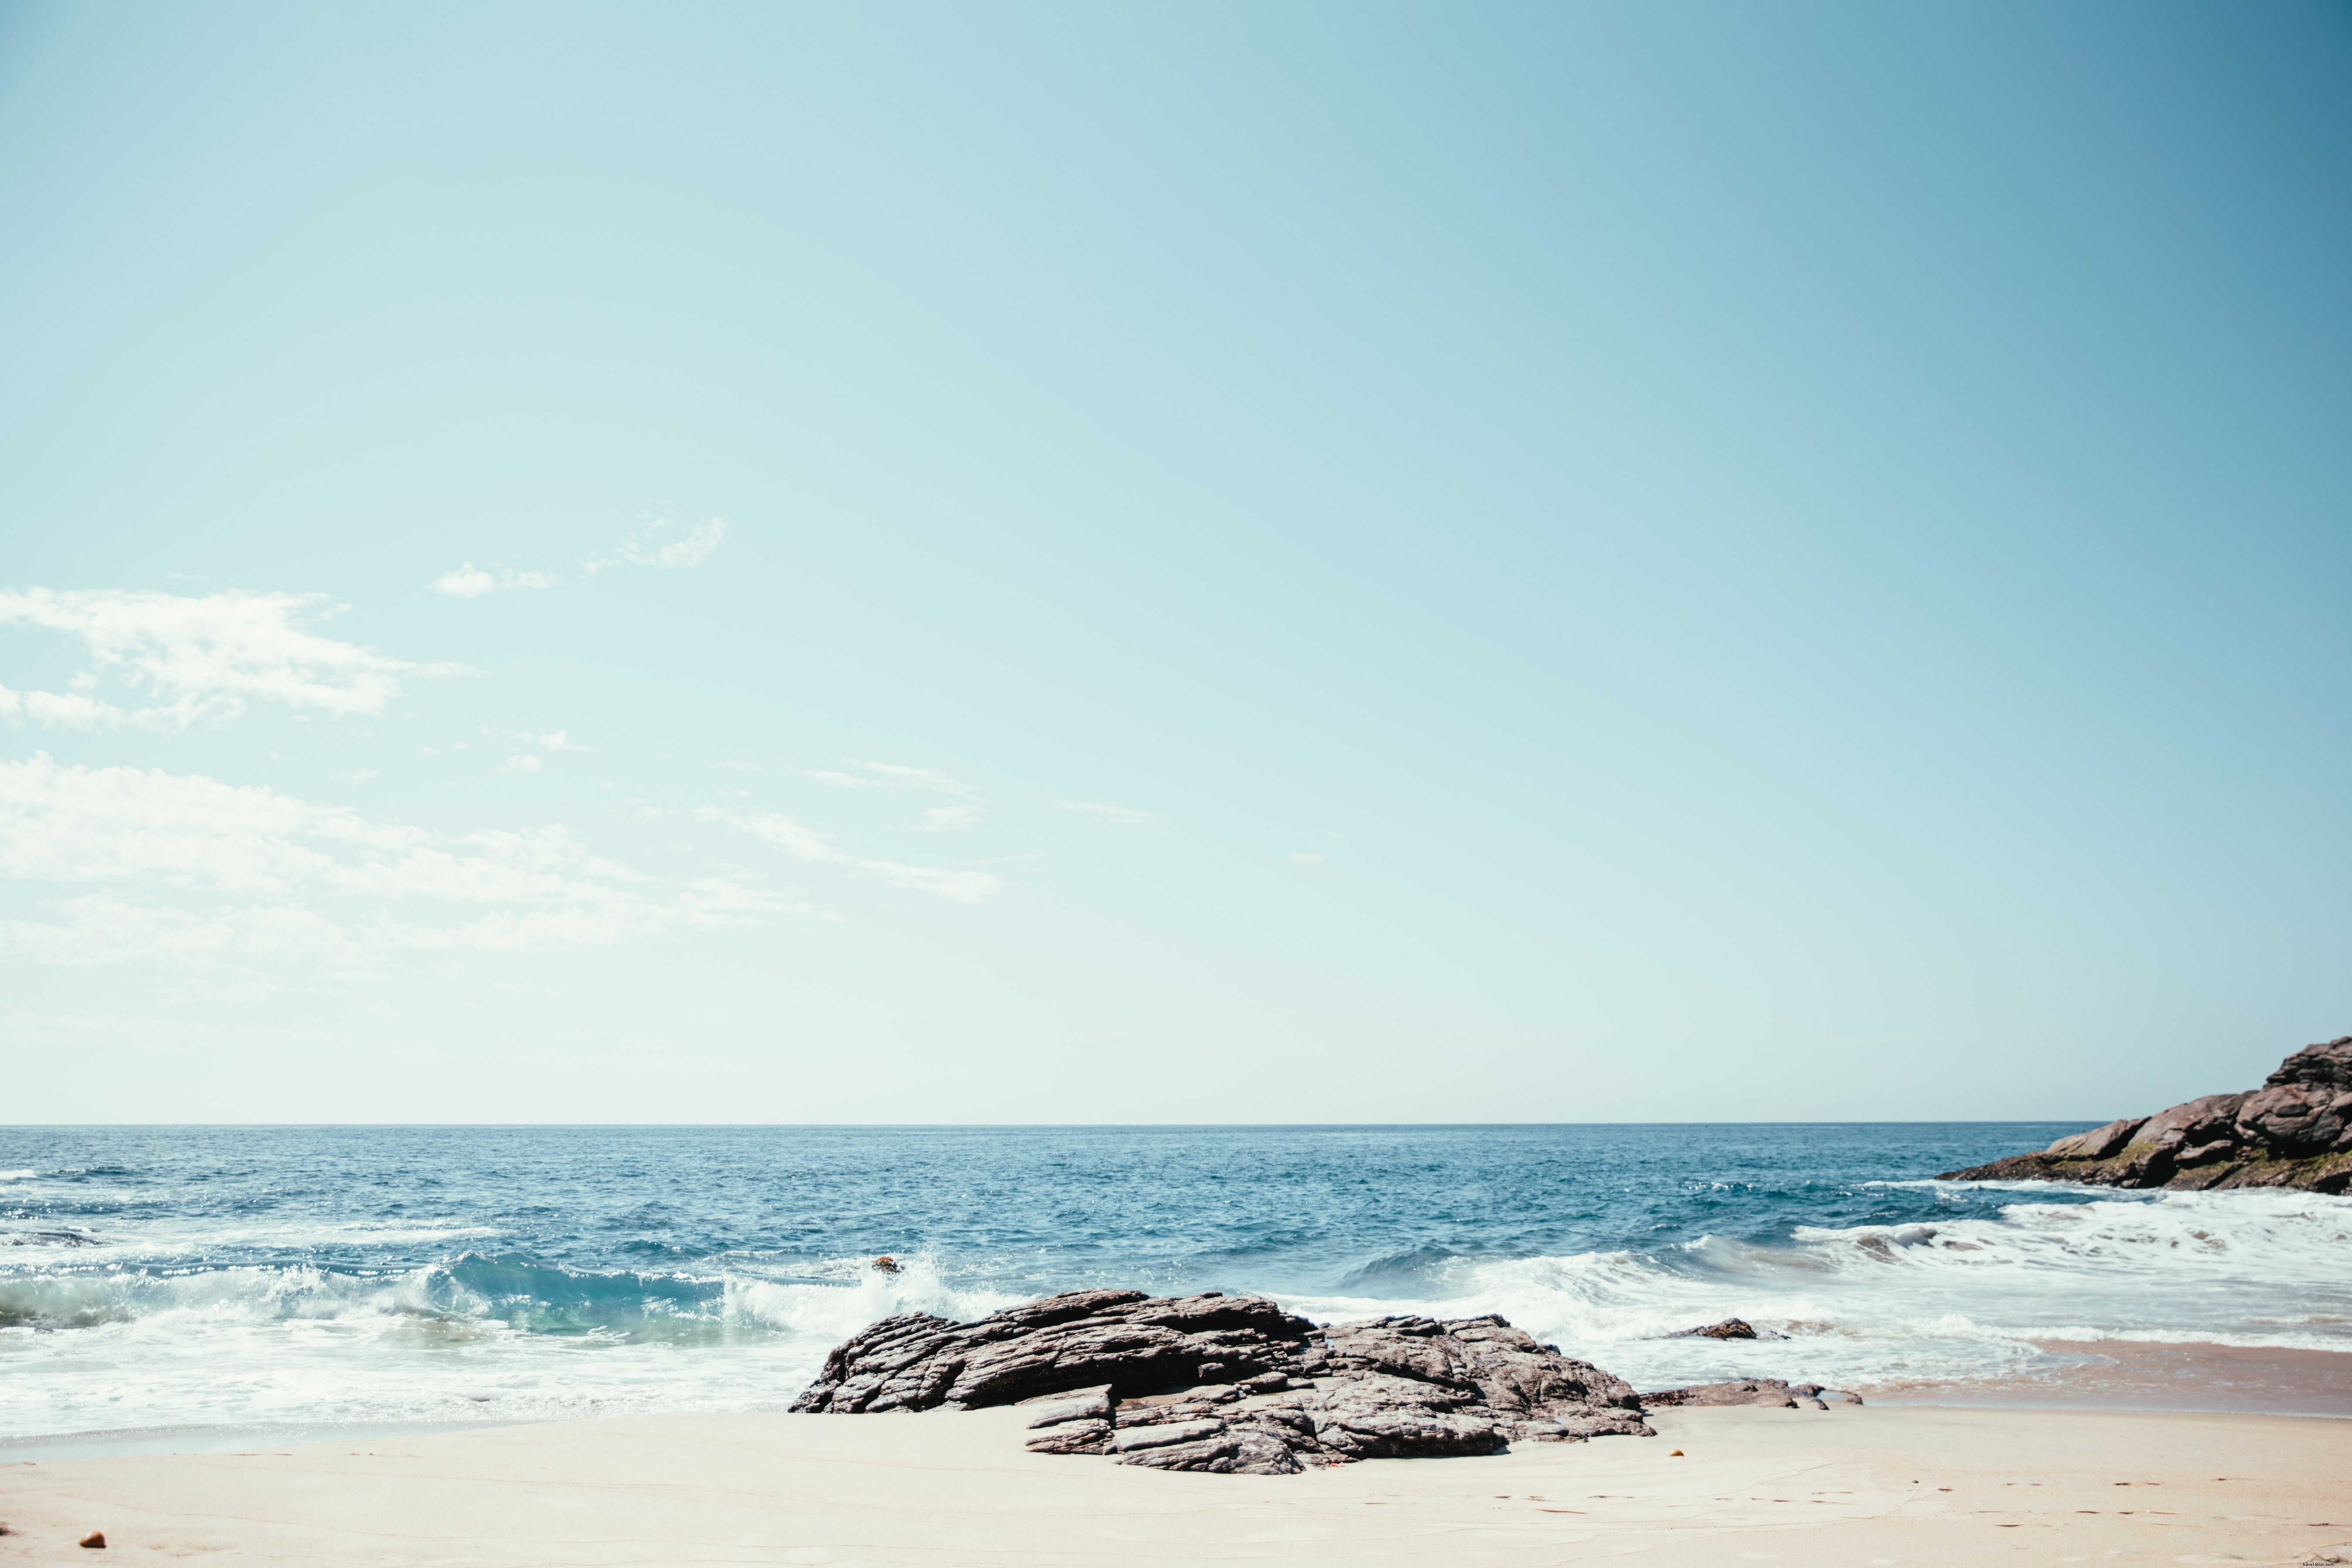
(1766, 1391)
(2294, 1132)
(1729, 1329)
(1233, 1384)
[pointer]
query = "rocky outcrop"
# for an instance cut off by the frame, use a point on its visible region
(1231, 1384)
(2294, 1132)
(1766, 1391)
(1729, 1329)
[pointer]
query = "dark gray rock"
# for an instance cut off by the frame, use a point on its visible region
(2294, 1131)
(1079, 1404)
(1073, 1438)
(1729, 1329)
(1769, 1391)
(1231, 1384)
(2326, 1066)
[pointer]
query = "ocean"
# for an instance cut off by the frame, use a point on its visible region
(157, 1279)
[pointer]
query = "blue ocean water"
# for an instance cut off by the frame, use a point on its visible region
(155, 1278)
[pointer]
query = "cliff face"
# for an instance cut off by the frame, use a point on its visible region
(2294, 1132)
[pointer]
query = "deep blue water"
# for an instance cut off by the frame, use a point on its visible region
(192, 1275)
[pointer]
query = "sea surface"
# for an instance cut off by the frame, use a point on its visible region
(175, 1278)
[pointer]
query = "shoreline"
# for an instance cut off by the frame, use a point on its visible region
(1847, 1486)
(2116, 1376)
(2190, 1377)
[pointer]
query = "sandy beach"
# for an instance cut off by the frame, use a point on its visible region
(1872, 1486)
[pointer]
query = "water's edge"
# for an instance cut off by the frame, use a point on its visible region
(374, 1278)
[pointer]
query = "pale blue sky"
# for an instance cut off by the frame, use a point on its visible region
(1183, 563)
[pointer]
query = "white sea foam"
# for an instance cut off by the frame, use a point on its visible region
(17, 1175)
(829, 1311)
(152, 1336)
(242, 1345)
(1959, 1300)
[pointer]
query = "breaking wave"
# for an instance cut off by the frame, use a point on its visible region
(1961, 1298)
(194, 1278)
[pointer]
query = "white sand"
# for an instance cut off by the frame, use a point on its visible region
(1873, 1485)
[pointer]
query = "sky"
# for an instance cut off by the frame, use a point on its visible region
(1172, 564)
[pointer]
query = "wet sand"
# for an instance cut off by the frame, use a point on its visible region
(2122, 1374)
(1870, 1486)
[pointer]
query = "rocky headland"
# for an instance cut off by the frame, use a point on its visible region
(2294, 1131)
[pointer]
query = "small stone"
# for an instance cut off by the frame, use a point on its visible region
(96, 1537)
(1675, 1455)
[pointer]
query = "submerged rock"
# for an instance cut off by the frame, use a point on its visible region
(1769, 1391)
(1729, 1329)
(1765, 1391)
(2294, 1131)
(1231, 1384)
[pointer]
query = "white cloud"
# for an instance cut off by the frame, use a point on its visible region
(72, 709)
(466, 583)
(521, 762)
(199, 657)
(651, 543)
(354, 775)
(470, 581)
(939, 817)
(1125, 817)
(557, 741)
(804, 843)
(186, 869)
(892, 775)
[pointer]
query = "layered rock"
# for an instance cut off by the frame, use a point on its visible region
(1231, 1384)
(1765, 1391)
(2294, 1132)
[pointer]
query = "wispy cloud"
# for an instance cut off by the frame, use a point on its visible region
(188, 870)
(939, 818)
(1124, 816)
(199, 657)
(524, 761)
(470, 581)
(804, 843)
(662, 542)
(554, 741)
(891, 776)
